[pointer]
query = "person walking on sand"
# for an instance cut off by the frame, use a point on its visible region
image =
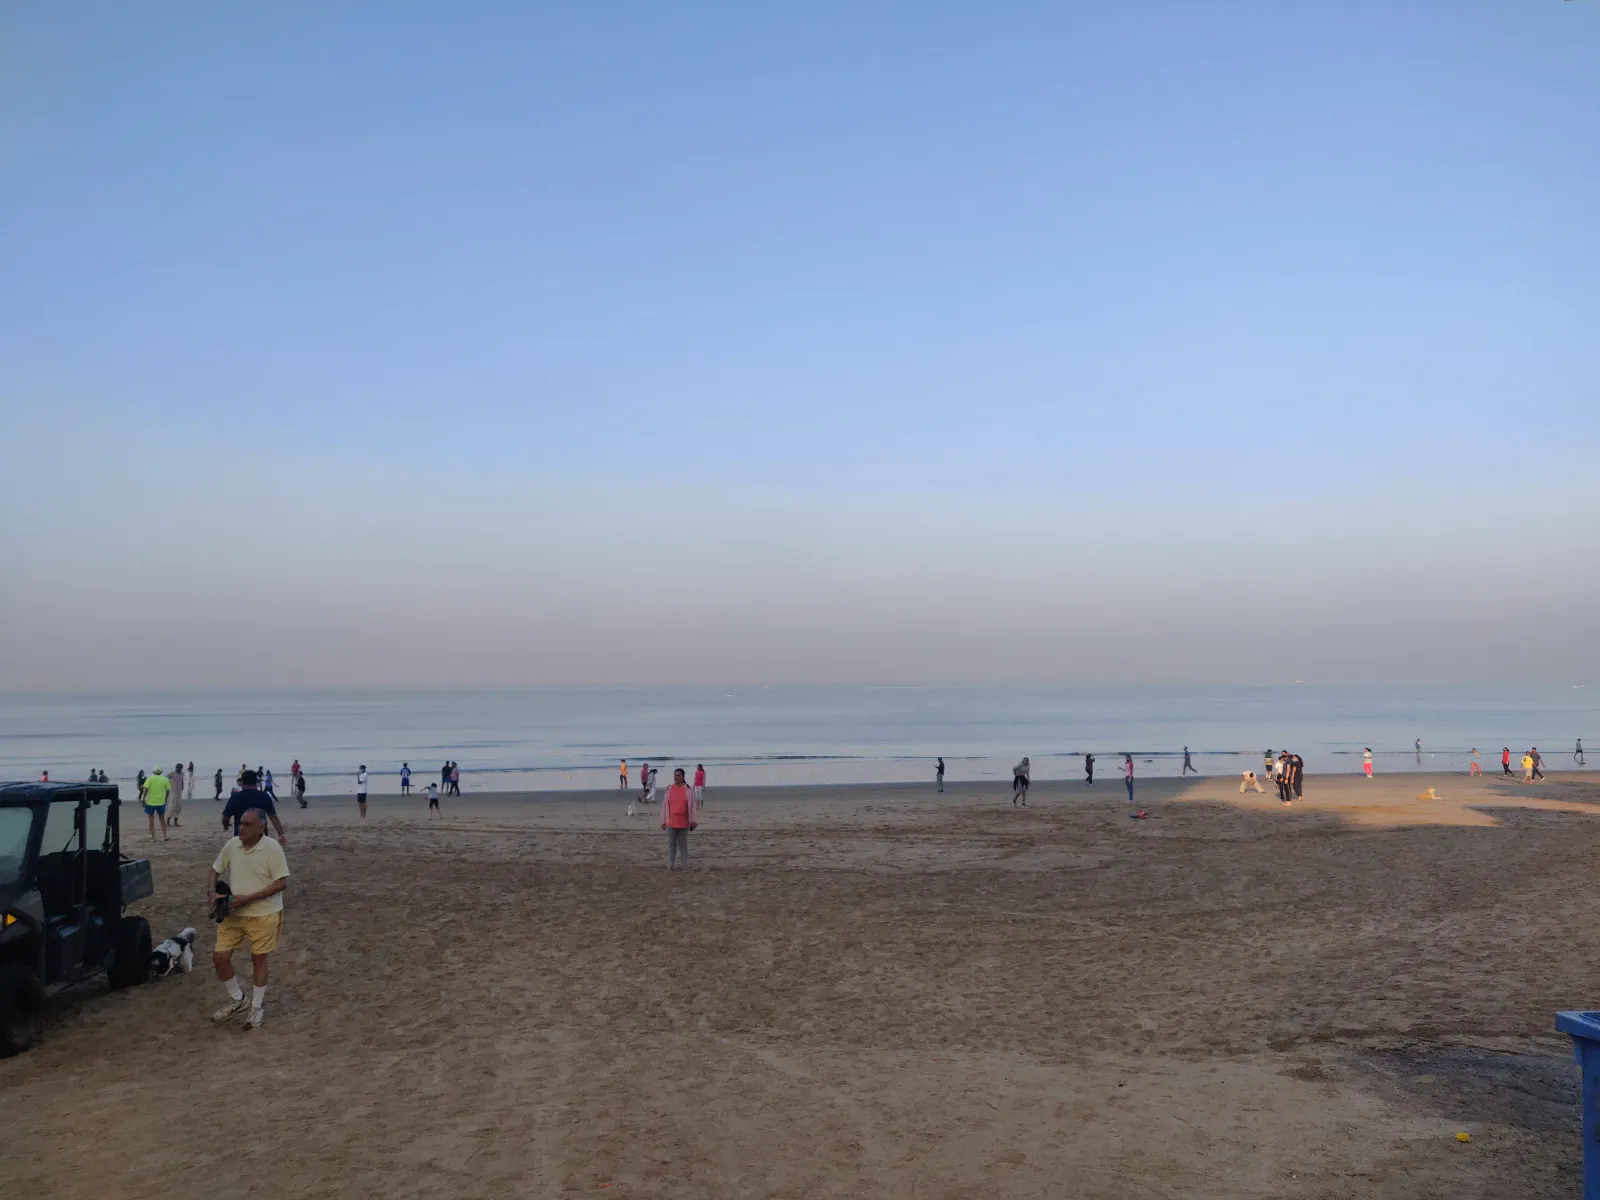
(1475, 767)
(1578, 753)
(644, 782)
(1280, 775)
(361, 790)
(175, 800)
(1020, 782)
(650, 786)
(247, 796)
(1187, 764)
(188, 790)
(678, 817)
(1127, 774)
(156, 789)
(1366, 762)
(433, 798)
(405, 779)
(1297, 774)
(216, 784)
(1505, 761)
(455, 778)
(1250, 781)
(622, 776)
(1088, 770)
(699, 785)
(938, 773)
(257, 875)
(1527, 768)
(300, 789)
(1538, 762)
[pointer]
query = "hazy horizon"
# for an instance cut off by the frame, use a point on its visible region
(375, 347)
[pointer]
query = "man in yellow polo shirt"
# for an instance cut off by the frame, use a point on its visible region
(257, 874)
(155, 792)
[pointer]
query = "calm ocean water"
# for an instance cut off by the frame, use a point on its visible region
(558, 738)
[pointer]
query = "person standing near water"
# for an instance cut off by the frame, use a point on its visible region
(1127, 774)
(175, 804)
(188, 793)
(216, 783)
(405, 778)
(1578, 753)
(1020, 782)
(622, 776)
(1088, 770)
(678, 818)
(361, 790)
(1366, 762)
(1505, 761)
(155, 801)
(1476, 766)
(1297, 774)
(699, 785)
(938, 774)
(1187, 764)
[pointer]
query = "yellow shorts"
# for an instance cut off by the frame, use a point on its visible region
(261, 931)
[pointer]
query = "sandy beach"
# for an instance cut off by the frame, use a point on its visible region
(860, 991)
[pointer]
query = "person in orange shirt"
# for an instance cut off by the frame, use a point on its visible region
(678, 812)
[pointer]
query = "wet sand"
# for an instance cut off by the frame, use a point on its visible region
(861, 991)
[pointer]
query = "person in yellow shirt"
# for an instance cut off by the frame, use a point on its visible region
(154, 795)
(1527, 768)
(257, 874)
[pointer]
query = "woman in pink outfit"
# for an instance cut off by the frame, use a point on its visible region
(699, 785)
(678, 818)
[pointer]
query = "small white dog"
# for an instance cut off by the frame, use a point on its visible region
(176, 953)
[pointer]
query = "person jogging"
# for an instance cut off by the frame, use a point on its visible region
(1020, 782)
(1188, 765)
(938, 774)
(678, 815)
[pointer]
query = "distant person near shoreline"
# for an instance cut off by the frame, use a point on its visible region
(1538, 762)
(699, 785)
(1578, 753)
(405, 779)
(1127, 774)
(1088, 770)
(1366, 762)
(1527, 768)
(1297, 774)
(938, 774)
(216, 782)
(622, 776)
(433, 798)
(1188, 764)
(361, 790)
(1505, 761)
(1020, 782)
(1475, 767)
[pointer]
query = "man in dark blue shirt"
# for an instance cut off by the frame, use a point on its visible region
(247, 797)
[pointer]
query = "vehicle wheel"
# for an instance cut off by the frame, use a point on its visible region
(21, 1009)
(130, 964)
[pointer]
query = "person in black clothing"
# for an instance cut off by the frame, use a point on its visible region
(1577, 754)
(300, 789)
(1538, 763)
(1297, 774)
(1187, 764)
(216, 783)
(939, 773)
(247, 797)
(1088, 769)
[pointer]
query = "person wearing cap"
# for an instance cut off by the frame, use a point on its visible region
(156, 788)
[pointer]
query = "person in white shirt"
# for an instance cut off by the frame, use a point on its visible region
(361, 790)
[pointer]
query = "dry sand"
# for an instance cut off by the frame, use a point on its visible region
(868, 991)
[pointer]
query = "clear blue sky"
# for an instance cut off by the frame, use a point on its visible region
(1155, 269)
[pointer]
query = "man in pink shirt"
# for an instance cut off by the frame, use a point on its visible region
(678, 818)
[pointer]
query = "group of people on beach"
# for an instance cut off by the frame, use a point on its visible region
(1022, 776)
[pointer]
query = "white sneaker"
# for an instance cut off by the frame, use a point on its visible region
(257, 1016)
(231, 1009)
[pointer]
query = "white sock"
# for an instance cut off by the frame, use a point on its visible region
(235, 992)
(258, 996)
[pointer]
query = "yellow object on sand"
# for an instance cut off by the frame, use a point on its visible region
(1430, 794)
(1463, 1137)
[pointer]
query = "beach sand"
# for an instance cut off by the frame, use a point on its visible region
(867, 991)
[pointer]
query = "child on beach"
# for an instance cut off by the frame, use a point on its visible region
(700, 785)
(677, 818)
(622, 776)
(433, 798)
(1366, 761)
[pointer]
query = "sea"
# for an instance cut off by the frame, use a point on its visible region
(572, 738)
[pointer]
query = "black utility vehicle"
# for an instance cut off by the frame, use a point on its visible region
(63, 887)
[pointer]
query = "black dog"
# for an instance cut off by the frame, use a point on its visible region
(224, 904)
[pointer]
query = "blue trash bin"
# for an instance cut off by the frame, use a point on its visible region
(1584, 1028)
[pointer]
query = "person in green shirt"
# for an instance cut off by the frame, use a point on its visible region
(155, 792)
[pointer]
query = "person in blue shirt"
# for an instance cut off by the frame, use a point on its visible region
(247, 797)
(405, 779)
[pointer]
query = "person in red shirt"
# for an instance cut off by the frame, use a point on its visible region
(678, 818)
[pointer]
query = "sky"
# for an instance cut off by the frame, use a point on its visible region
(492, 343)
